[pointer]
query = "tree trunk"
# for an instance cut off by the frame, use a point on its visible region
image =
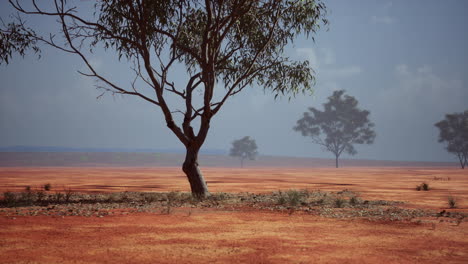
(336, 161)
(194, 175)
(242, 162)
(462, 160)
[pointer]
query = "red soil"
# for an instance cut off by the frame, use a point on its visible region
(206, 236)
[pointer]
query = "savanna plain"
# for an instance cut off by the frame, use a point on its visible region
(255, 215)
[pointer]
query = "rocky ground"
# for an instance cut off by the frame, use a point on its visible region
(342, 204)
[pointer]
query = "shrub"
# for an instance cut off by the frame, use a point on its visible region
(27, 188)
(40, 196)
(68, 195)
(58, 197)
(353, 200)
(425, 186)
(452, 202)
(172, 196)
(294, 197)
(339, 202)
(281, 199)
(27, 198)
(9, 198)
(291, 197)
(150, 197)
(47, 187)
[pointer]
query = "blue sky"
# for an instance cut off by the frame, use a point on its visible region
(405, 61)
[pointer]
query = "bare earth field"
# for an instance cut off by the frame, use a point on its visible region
(239, 236)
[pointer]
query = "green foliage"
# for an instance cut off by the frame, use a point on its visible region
(244, 148)
(16, 38)
(453, 131)
(224, 45)
(339, 126)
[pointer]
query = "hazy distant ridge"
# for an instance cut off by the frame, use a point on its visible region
(130, 150)
(159, 159)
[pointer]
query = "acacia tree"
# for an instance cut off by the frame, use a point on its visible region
(339, 126)
(454, 131)
(224, 45)
(244, 148)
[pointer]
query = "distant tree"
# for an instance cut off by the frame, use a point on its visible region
(222, 46)
(341, 125)
(453, 130)
(244, 148)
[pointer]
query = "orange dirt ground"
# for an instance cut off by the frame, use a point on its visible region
(204, 235)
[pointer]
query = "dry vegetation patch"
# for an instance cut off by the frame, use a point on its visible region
(341, 204)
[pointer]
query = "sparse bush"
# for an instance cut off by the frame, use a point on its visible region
(171, 197)
(27, 188)
(281, 198)
(40, 196)
(295, 197)
(291, 197)
(111, 198)
(150, 197)
(68, 195)
(27, 198)
(58, 197)
(425, 186)
(422, 187)
(9, 198)
(339, 202)
(452, 202)
(320, 201)
(353, 200)
(47, 187)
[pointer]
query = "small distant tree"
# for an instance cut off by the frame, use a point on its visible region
(244, 148)
(339, 126)
(454, 131)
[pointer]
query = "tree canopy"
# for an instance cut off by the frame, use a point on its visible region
(224, 46)
(453, 131)
(244, 148)
(339, 126)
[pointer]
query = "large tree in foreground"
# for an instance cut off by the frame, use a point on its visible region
(225, 46)
(453, 131)
(244, 148)
(339, 126)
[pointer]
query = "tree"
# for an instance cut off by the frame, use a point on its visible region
(341, 125)
(244, 148)
(454, 131)
(231, 44)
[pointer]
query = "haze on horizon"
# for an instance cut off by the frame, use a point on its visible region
(405, 62)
